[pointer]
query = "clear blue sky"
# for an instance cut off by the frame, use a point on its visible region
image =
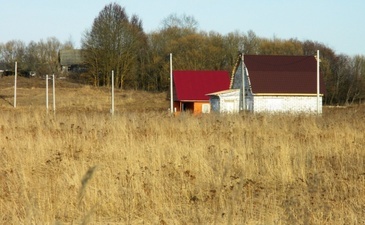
(336, 23)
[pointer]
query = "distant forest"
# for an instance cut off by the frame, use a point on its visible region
(140, 60)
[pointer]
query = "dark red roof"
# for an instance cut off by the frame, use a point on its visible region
(283, 74)
(194, 85)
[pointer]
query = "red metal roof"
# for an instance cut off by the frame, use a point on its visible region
(283, 74)
(194, 85)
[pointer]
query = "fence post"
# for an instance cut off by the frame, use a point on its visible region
(15, 84)
(47, 92)
(54, 94)
(112, 109)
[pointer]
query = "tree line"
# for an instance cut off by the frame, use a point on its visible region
(40, 57)
(140, 60)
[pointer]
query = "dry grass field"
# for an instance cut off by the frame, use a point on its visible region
(80, 165)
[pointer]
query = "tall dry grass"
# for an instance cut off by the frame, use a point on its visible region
(83, 166)
(149, 168)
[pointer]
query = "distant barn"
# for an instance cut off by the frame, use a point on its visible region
(191, 87)
(272, 84)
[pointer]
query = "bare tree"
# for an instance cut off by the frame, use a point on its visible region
(251, 43)
(11, 52)
(183, 22)
(355, 80)
(113, 43)
(43, 56)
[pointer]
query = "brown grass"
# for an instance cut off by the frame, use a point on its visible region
(141, 166)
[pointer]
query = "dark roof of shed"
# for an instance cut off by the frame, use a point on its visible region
(194, 85)
(283, 74)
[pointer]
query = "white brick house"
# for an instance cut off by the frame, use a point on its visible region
(286, 103)
(272, 84)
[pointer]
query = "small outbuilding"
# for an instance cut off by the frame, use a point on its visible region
(71, 60)
(191, 89)
(225, 101)
(271, 83)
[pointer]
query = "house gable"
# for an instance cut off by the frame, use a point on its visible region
(273, 84)
(278, 75)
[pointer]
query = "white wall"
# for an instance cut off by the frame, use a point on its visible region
(229, 105)
(225, 102)
(295, 104)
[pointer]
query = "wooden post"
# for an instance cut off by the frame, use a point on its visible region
(15, 82)
(243, 83)
(112, 109)
(47, 93)
(171, 87)
(54, 94)
(318, 111)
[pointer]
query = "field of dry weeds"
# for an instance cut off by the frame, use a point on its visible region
(81, 165)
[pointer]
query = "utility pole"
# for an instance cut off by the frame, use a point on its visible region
(15, 80)
(112, 109)
(318, 103)
(171, 87)
(54, 93)
(47, 93)
(243, 82)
